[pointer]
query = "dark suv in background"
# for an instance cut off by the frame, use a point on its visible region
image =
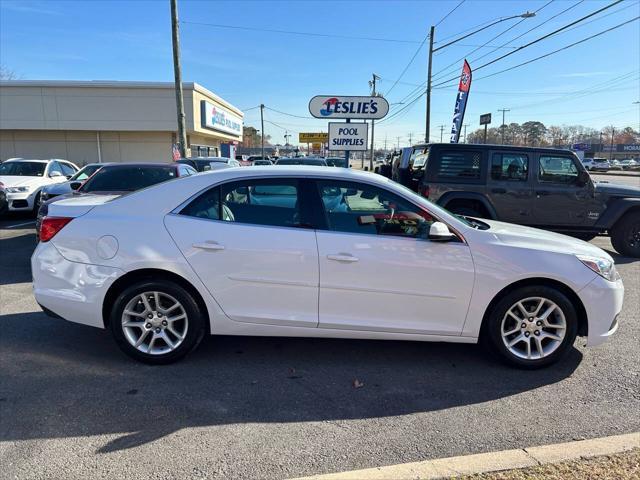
(541, 187)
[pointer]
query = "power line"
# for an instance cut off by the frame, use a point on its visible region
(534, 41)
(443, 72)
(292, 32)
(450, 12)
(504, 45)
(285, 113)
(561, 49)
(410, 62)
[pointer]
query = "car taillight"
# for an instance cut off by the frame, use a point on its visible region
(424, 190)
(51, 226)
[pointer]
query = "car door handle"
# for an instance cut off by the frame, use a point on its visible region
(498, 190)
(343, 257)
(208, 245)
(542, 192)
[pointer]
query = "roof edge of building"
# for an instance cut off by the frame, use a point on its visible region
(205, 91)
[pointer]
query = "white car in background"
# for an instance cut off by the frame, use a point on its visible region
(24, 180)
(596, 164)
(316, 252)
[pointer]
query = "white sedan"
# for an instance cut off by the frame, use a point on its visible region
(316, 252)
(25, 179)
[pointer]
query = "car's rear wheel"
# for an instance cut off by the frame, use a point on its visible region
(625, 235)
(532, 327)
(156, 322)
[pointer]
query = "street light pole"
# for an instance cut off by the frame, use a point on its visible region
(177, 71)
(503, 110)
(427, 129)
(373, 85)
(432, 50)
(262, 125)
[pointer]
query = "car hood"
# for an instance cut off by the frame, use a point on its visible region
(617, 189)
(20, 181)
(536, 239)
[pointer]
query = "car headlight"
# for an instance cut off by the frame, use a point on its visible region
(603, 267)
(17, 189)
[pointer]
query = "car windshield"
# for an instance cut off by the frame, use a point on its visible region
(127, 179)
(23, 169)
(86, 172)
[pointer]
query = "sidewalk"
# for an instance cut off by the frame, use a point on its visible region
(525, 458)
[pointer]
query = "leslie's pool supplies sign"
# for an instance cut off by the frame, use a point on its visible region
(348, 136)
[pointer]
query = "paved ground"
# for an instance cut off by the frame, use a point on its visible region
(72, 406)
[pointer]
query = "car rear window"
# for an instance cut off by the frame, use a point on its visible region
(127, 179)
(460, 166)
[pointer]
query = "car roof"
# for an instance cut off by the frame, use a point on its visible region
(487, 146)
(27, 160)
(139, 164)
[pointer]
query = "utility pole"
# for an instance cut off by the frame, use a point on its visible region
(177, 71)
(465, 132)
(428, 123)
(526, 14)
(262, 123)
(372, 83)
(398, 143)
(410, 138)
(503, 110)
(385, 143)
(613, 133)
(441, 130)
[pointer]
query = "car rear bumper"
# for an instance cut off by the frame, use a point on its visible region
(602, 300)
(74, 291)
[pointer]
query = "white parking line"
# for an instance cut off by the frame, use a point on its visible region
(21, 224)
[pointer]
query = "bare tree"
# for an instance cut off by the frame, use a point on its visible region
(7, 74)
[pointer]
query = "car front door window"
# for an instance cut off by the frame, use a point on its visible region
(557, 169)
(360, 208)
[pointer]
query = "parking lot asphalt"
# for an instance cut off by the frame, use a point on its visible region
(73, 406)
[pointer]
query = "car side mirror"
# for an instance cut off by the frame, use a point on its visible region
(75, 185)
(439, 232)
(583, 177)
(55, 174)
(206, 168)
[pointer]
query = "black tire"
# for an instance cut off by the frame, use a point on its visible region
(492, 329)
(625, 235)
(195, 321)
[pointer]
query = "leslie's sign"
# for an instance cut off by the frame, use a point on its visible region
(221, 119)
(369, 108)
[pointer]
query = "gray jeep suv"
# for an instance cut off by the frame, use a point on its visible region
(541, 187)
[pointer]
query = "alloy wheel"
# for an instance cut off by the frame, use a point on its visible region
(533, 328)
(154, 323)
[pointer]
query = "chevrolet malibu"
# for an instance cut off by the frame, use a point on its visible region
(316, 252)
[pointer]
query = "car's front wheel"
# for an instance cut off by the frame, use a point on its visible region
(625, 235)
(156, 322)
(532, 327)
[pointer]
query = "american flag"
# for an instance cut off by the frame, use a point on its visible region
(175, 152)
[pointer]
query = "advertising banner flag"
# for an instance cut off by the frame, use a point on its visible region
(461, 102)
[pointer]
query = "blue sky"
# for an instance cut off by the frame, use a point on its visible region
(593, 84)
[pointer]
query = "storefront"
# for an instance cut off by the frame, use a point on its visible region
(97, 121)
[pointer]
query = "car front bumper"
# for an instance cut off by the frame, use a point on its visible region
(74, 291)
(21, 201)
(602, 301)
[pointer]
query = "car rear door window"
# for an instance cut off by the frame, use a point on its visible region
(557, 169)
(361, 208)
(509, 167)
(262, 202)
(460, 166)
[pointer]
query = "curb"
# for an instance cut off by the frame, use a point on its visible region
(618, 174)
(492, 461)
